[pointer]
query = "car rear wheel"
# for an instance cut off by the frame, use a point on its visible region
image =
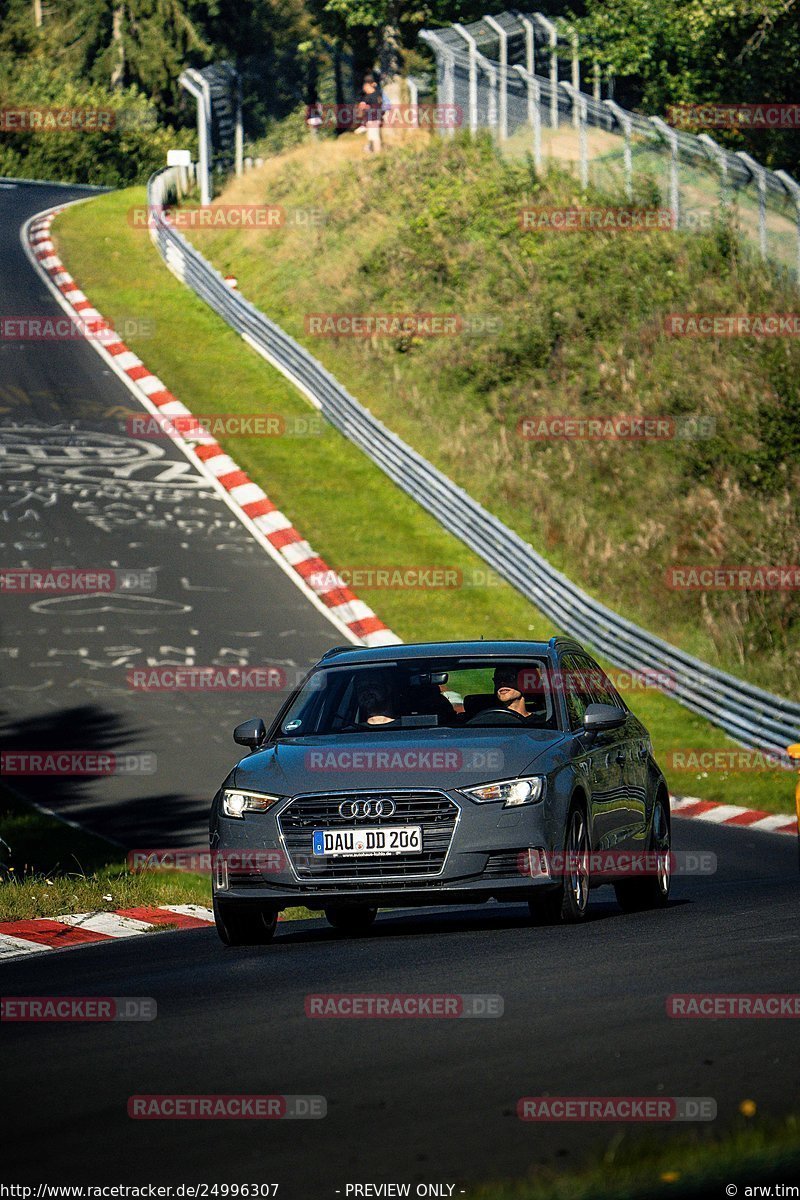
(351, 918)
(651, 891)
(243, 924)
(567, 903)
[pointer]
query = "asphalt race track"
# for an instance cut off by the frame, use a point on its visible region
(430, 1101)
(76, 491)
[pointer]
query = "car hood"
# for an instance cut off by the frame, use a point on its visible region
(443, 759)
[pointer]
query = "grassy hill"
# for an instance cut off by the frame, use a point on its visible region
(434, 226)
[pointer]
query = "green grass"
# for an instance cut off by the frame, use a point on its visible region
(637, 1167)
(434, 227)
(346, 507)
(49, 868)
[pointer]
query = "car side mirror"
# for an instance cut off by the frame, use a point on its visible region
(250, 733)
(599, 717)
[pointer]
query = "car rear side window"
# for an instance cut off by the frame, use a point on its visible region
(577, 693)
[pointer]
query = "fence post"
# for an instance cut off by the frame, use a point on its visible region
(534, 113)
(552, 34)
(576, 72)
(503, 38)
(445, 61)
(596, 90)
(473, 75)
(194, 83)
(530, 42)
(627, 155)
(579, 109)
(720, 157)
(671, 138)
(793, 188)
(759, 173)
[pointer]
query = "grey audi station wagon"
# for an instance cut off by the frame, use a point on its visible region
(436, 773)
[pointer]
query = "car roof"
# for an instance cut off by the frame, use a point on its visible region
(362, 655)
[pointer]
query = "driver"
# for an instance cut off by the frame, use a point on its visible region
(507, 692)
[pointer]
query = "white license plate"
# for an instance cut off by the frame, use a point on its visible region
(384, 841)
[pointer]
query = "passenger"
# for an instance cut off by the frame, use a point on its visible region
(374, 702)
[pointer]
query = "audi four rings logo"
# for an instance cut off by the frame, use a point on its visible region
(367, 808)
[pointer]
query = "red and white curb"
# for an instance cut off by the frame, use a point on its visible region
(731, 814)
(82, 929)
(313, 576)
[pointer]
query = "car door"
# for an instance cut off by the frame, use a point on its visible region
(630, 753)
(596, 761)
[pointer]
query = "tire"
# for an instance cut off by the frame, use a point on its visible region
(651, 891)
(567, 903)
(351, 918)
(244, 924)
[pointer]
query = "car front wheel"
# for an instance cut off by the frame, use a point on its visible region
(243, 924)
(650, 891)
(567, 903)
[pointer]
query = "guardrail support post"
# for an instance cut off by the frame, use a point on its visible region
(627, 155)
(759, 173)
(534, 112)
(503, 38)
(671, 138)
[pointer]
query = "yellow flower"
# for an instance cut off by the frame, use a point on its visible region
(670, 1176)
(747, 1108)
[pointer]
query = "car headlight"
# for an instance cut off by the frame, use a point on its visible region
(235, 802)
(512, 792)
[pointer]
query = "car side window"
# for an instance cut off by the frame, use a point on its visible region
(601, 686)
(577, 695)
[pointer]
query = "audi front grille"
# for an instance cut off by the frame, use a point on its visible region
(433, 811)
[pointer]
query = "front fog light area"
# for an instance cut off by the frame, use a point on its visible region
(235, 803)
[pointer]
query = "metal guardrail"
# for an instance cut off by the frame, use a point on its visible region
(750, 715)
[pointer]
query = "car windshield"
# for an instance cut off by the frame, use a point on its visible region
(423, 694)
